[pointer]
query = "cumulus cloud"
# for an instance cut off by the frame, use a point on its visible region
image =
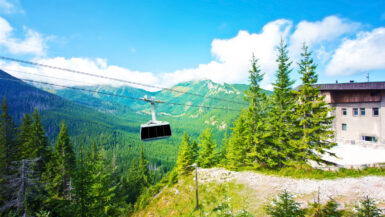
(317, 33)
(33, 42)
(232, 56)
(364, 53)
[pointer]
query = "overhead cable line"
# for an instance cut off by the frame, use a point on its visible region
(115, 79)
(46, 76)
(113, 94)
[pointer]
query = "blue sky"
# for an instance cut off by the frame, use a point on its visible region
(166, 42)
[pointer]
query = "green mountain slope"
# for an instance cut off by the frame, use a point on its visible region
(218, 119)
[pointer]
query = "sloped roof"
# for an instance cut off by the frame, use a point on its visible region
(354, 86)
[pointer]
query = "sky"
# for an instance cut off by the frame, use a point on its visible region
(167, 42)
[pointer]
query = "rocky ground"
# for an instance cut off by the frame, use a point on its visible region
(261, 187)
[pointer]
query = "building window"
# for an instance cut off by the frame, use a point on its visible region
(375, 112)
(369, 138)
(362, 111)
(344, 126)
(355, 111)
(344, 112)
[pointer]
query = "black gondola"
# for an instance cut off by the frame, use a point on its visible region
(154, 130)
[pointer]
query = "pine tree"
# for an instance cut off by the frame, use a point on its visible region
(368, 208)
(314, 134)
(59, 170)
(207, 153)
(38, 143)
(143, 168)
(237, 147)
(194, 150)
(8, 151)
(82, 184)
(24, 135)
(8, 145)
(185, 156)
(331, 209)
(280, 116)
(66, 159)
(103, 188)
(134, 182)
(256, 130)
(284, 206)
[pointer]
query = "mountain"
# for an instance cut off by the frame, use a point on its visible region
(215, 95)
(114, 122)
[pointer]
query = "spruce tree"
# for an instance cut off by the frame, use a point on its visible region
(284, 206)
(281, 113)
(314, 134)
(331, 209)
(256, 130)
(237, 147)
(185, 156)
(143, 168)
(207, 153)
(61, 166)
(24, 135)
(83, 184)
(38, 143)
(368, 208)
(194, 151)
(8, 144)
(8, 151)
(103, 188)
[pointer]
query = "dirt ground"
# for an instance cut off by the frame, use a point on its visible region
(346, 191)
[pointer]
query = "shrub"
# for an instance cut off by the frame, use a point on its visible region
(368, 208)
(284, 206)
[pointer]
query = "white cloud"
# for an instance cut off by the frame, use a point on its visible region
(33, 42)
(364, 53)
(232, 56)
(329, 29)
(9, 7)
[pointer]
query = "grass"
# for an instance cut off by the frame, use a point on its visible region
(216, 199)
(310, 173)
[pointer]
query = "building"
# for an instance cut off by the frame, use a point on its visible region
(359, 111)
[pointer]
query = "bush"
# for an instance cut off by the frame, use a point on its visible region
(284, 206)
(368, 208)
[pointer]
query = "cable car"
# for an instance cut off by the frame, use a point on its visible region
(154, 130)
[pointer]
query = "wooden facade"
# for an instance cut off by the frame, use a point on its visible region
(355, 96)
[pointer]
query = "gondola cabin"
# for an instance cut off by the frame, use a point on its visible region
(154, 131)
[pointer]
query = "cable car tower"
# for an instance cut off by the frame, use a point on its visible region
(154, 130)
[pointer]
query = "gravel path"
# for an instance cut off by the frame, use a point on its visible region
(344, 190)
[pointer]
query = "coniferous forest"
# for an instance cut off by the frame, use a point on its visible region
(63, 176)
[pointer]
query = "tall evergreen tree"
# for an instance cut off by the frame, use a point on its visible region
(194, 150)
(24, 136)
(83, 184)
(237, 147)
(314, 134)
(207, 153)
(103, 189)
(8, 145)
(38, 143)
(61, 166)
(256, 130)
(280, 115)
(185, 156)
(8, 151)
(143, 167)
